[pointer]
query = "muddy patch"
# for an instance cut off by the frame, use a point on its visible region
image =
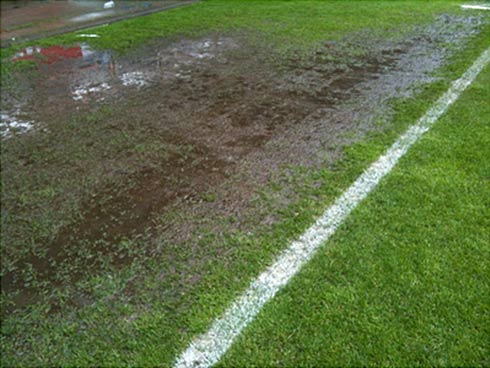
(115, 214)
(231, 119)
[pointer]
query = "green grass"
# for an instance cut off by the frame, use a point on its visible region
(406, 279)
(286, 23)
(142, 314)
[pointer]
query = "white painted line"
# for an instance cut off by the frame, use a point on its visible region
(477, 7)
(208, 349)
(88, 35)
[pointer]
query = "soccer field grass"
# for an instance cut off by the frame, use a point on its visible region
(247, 147)
(406, 279)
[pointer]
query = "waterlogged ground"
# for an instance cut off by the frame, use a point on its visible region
(194, 126)
(110, 161)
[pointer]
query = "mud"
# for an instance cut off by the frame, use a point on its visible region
(115, 214)
(242, 117)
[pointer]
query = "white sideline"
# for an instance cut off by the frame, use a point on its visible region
(477, 7)
(208, 348)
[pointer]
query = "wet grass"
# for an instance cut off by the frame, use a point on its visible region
(288, 24)
(155, 304)
(405, 280)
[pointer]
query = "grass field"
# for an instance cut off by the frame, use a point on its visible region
(290, 24)
(403, 282)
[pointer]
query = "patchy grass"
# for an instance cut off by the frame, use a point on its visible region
(150, 306)
(406, 279)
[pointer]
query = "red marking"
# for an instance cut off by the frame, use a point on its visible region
(51, 54)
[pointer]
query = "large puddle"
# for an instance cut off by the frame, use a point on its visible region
(84, 74)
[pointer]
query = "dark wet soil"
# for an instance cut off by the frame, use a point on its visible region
(229, 118)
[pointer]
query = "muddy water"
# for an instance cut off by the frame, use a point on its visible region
(232, 119)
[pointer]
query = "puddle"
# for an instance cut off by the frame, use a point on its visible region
(87, 70)
(137, 79)
(88, 74)
(12, 123)
(53, 54)
(191, 52)
(49, 55)
(81, 92)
